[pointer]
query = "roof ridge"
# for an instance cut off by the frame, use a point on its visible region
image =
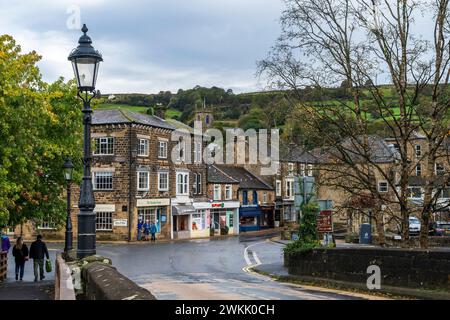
(259, 179)
(123, 112)
(224, 173)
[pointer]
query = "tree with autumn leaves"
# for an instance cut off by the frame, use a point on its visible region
(40, 126)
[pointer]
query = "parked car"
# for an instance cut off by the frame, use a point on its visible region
(414, 226)
(439, 228)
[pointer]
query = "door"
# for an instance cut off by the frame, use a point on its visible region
(175, 223)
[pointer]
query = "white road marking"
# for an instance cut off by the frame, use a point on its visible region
(247, 258)
(258, 262)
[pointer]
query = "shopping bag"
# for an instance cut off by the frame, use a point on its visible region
(48, 265)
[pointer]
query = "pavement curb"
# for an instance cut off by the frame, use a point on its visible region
(400, 292)
(135, 242)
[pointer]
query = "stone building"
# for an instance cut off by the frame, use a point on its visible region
(223, 207)
(135, 178)
(256, 197)
(189, 200)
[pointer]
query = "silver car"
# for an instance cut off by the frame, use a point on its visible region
(414, 226)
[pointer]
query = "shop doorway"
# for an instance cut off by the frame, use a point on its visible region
(153, 215)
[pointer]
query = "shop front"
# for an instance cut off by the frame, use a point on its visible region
(155, 211)
(182, 220)
(249, 218)
(219, 217)
(267, 217)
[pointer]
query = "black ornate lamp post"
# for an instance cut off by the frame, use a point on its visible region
(68, 169)
(85, 62)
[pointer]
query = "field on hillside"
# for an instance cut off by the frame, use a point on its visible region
(170, 113)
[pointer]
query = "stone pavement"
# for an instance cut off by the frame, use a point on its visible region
(25, 290)
(28, 289)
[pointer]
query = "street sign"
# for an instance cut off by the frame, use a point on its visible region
(325, 221)
(120, 222)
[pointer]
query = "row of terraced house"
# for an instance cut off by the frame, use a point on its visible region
(136, 178)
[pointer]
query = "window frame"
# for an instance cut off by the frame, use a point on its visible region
(290, 168)
(310, 170)
(228, 192)
(146, 147)
(104, 173)
(161, 173)
(418, 150)
(98, 145)
(197, 152)
(162, 155)
(108, 223)
(290, 190)
(441, 171)
(278, 188)
(379, 186)
(183, 183)
(46, 224)
(303, 169)
(147, 173)
(410, 192)
(217, 187)
(419, 169)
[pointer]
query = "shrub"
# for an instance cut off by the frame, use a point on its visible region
(307, 235)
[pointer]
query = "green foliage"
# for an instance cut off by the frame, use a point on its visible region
(307, 235)
(253, 120)
(40, 125)
(308, 222)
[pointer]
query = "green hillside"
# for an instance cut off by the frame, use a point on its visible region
(170, 113)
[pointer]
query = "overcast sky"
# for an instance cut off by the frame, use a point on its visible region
(151, 45)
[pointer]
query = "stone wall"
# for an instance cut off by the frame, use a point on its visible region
(418, 269)
(414, 242)
(103, 282)
(64, 289)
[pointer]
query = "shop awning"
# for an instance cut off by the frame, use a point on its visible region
(182, 210)
(249, 211)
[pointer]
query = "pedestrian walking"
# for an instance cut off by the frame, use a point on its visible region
(5, 242)
(20, 254)
(153, 232)
(139, 227)
(38, 250)
(146, 230)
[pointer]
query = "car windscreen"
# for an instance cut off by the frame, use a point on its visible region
(445, 226)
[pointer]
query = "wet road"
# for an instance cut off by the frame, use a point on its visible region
(208, 269)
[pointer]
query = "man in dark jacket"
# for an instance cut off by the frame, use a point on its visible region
(38, 250)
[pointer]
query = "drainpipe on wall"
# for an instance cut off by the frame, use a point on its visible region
(130, 178)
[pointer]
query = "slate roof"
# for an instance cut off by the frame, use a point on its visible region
(380, 151)
(215, 175)
(294, 153)
(246, 179)
(125, 116)
(180, 125)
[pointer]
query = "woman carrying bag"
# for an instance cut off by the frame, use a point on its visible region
(20, 253)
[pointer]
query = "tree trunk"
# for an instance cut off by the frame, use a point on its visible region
(380, 227)
(424, 230)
